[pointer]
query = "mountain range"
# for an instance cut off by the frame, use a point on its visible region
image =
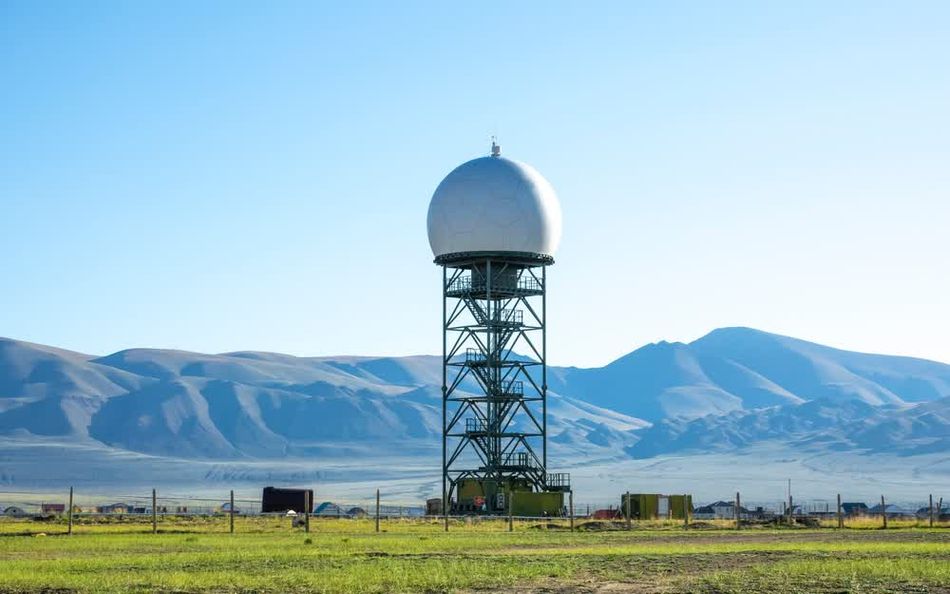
(728, 391)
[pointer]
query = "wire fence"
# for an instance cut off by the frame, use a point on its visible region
(30, 512)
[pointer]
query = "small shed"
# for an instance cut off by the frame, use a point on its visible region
(721, 510)
(892, 511)
(854, 508)
(113, 508)
(655, 506)
(279, 499)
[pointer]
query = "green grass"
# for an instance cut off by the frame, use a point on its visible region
(197, 555)
(875, 574)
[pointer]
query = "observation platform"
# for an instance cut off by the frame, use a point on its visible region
(465, 287)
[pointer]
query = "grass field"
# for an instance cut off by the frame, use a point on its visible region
(346, 556)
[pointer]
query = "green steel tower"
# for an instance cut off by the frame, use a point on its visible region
(493, 226)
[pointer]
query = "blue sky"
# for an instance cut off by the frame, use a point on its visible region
(226, 176)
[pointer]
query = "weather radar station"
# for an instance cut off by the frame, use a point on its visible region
(494, 225)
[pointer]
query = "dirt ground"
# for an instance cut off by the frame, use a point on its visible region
(685, 573)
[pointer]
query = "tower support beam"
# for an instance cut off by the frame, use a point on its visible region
(494, 401)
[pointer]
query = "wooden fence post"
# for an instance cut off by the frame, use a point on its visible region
(231, 511)
(738, 505)
(840, 517)
(308, 505)
(511, 507)
(791, 519)
(154, 513)
(883, 513)
(931, 509)
(69, 514)
(570, 505)
(627, 510)
(686, 511)
(377, 510)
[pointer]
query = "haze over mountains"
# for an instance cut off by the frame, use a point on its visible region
(731, 390)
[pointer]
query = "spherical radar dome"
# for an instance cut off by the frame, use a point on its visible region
(494, 205)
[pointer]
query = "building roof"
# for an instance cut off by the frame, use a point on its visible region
(711, 508)
(328, 507)
(891, 508)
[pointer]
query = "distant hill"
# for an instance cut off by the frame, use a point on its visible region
(737, 369)
(731, 389)
(818, 425)
(250, 405)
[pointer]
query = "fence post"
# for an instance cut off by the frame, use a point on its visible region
(306, 512)
(69, 514)
(883, 512)
(840, 517)
(627, 510)
(791, 519)
(931, 509)
(231, 511)
(570, 505)
(154, 514)
(738, 503)
(511, 505)
(686, 511)
(377, 510)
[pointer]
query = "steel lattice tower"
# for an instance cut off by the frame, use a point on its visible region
(494, 225)
(494, 401)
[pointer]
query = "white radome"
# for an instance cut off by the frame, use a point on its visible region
(494, 204)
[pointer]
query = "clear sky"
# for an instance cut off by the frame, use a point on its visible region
(227, 176)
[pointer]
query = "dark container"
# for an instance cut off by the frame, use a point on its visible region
(276, 499)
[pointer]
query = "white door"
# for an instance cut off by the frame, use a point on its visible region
(663, 510)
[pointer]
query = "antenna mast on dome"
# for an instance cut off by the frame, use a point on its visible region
(495, 148)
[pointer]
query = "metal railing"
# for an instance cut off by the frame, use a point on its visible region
(513, 388)
(474, 426)
(465, 284)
